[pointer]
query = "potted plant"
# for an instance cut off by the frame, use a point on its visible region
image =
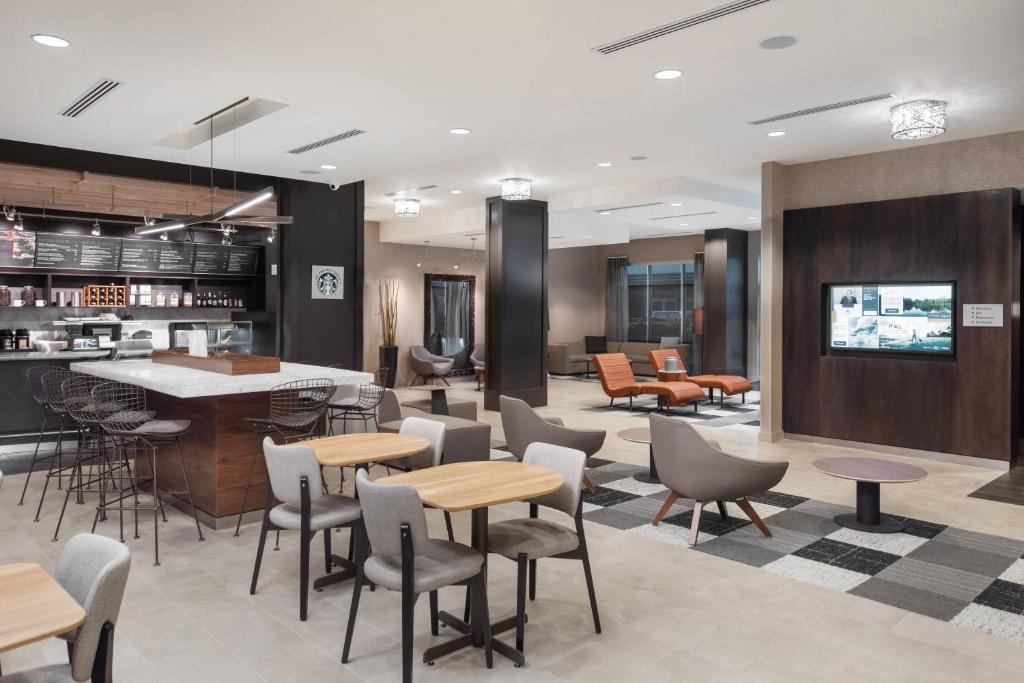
(388, 312)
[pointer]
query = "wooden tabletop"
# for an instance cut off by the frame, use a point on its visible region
(636, 434)
(873, 470)
(349, 450)
(33, 606)
(469, 485)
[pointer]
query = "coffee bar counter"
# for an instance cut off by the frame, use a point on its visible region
(219, 447)
(53, 355)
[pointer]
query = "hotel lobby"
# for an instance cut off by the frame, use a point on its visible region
(668, 342)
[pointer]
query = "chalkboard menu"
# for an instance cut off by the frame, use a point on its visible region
(17, 249)
(84, 252)
(220, 259)
(156, 256)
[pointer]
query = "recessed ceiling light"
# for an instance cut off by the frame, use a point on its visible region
(778, 42)
(776, 133)
(676, 204)
(751, 218)
(328, 167)
(459, 131)
(638, 157)
(455, 191)
(667, 74)
(604, 164)
(605, 213)
(50, 41)
(682, 225)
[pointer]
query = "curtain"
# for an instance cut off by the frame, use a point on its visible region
(616, 319)
(697, 356)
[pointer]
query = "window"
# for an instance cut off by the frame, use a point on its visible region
(660, 301)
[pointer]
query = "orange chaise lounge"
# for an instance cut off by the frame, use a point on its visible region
(727, 385)
(618, 381)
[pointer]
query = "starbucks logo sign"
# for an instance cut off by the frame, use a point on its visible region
(328, 282)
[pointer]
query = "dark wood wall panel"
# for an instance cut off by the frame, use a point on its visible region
(725, 302)
(968, 404)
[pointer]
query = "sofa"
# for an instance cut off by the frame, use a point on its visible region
(569, 358)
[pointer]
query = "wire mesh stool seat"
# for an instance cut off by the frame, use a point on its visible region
(40, 395)
(137, 434)
(363, 407)
(297, 410)
(92, 453)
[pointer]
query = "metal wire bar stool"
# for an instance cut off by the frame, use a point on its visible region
(34, 376)
(363, 407)
(297, 411)
(51, 386)
(137, 434)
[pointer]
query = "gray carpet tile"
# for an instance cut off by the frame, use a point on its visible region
(710, 522)
(960, 557)
(782, 500)
(647, 508)
(917, 527)
(923, 602)
(982, 542)
(796, 520)
(738, 551)
(783, 541)
(603, 475)
(846, 556)
(953, 583)
(616, 519)
(1003, 595)
(606, 497)
(820, 508)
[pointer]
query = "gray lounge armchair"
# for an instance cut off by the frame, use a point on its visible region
(428, 366)
(479, 356)
(691, 467)
(523, 426)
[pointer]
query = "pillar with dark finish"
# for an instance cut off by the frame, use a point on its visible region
(725, 302)
(517, 301)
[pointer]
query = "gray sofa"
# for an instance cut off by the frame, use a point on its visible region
(464, 440)
(568, 358)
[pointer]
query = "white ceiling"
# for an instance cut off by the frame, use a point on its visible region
(523, 76)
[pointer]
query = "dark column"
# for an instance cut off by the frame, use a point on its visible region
(725, 302)
(517, 301)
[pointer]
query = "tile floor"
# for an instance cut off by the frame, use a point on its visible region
(669, 614)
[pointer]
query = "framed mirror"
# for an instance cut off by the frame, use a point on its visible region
(448, 318)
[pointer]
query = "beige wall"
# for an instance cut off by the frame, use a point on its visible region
(387, 261)
(985, 163)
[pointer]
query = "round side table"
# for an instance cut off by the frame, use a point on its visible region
(870, 473)
(642, 435)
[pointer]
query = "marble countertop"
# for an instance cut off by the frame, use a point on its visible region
(52, 355)
(188, 383)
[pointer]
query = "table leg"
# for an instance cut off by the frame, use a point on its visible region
(650, 477)
(438, 402)
(869, 516)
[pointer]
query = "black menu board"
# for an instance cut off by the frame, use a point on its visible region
(221, 259)
(17, 249)
(84, 252)
(156, 256)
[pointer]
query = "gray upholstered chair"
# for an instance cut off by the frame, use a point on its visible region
(691, 467)
(428, 366)
(527, 540)
(434, 432)
(523, 426)
(294, 475)
(94, 571)
(405, 559)
(479, 356)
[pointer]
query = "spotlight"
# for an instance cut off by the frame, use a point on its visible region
(272, 236)
(96, 228)
(19, 223)
(163, 236)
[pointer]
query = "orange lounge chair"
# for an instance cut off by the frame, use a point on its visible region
(727, 385)
(618, 381)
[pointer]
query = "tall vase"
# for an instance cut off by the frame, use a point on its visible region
(389, 360)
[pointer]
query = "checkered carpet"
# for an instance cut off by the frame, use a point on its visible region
(971, 579)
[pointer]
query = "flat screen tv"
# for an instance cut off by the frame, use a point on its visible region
(892, 318)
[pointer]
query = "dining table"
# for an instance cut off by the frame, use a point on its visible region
(360, 450)
(33, 606)
(476, 487)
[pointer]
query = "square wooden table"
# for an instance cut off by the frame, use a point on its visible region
(33, 606)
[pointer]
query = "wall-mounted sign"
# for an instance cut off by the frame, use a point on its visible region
(328, 282)
(983, 315)
(57, 250)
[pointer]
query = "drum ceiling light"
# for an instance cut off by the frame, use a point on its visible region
(407, 207)
(516, 188)
(918, 119)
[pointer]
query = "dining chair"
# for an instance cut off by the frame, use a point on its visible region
(526, 540)
(294, 479)
(406, 559)
(434, 432)
(691, 467)
(94, 571)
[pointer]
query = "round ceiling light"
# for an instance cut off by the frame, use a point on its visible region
(778, 42)
(459, 131)
(776, 133)
(667, 74)
(406, 207)
(604, 164)
(918, 119)
(50, 41)
(328, 167)
(454, 191)
(515, 189)
(605, 213)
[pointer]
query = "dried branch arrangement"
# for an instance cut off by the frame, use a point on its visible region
(388, 310)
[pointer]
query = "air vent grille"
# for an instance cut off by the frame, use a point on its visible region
(688, 22)
(684, 215)
(327, 141)
(91, 97)
(411, 189)
(824, 107)
(633, 206)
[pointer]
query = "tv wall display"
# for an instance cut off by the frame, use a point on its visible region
(900, 318)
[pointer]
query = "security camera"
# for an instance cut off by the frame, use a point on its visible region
(334, 186)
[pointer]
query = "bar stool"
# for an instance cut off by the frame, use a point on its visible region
(296, 410)
(134, 429)
(362, 406)
(34, 376)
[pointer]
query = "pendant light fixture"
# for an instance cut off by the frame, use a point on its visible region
(406, 207)
(516, 188)
(918, 119)
(426, 254)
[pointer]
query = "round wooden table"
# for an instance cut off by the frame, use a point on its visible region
(642, 435)
(438, 399)
(33, 607)
(476, 486)
(870, 473)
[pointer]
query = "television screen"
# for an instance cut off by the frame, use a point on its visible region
(913, 318)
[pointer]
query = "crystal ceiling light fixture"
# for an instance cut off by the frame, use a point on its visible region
(406, 207)
(515, 189)
(918, 119)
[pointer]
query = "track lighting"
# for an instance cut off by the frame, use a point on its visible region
(227, 231)
(96, 228)
(163, 236)
(19, 222)
(272, 236)
(10, 213)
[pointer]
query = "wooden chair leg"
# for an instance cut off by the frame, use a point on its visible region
(695, 526)
(589, 484)
(669, 502)
(748, 509)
